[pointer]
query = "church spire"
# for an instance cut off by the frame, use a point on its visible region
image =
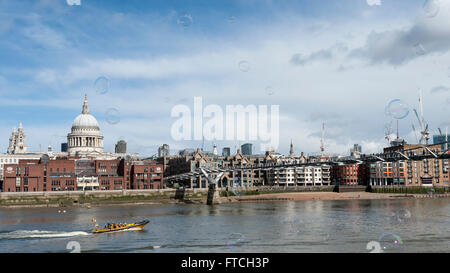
(291, 151)
(85, 106)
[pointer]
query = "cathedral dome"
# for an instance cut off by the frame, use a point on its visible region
(85, 121)
(85, 137)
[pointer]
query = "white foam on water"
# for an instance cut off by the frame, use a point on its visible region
(22, 234)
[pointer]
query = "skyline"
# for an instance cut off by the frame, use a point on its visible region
(301, 55)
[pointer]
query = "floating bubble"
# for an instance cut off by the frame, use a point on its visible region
(390, 242)
(112, 116)
(73, 2)
(244, 66)
(373, 2)
(295, 226)
(431, 8)
(374, 246)
(236, 193)
(397, 109)
(325, 237)
(403, 215)
(231, 19)
(185, 20)
(101, 85)
(270, 90)
(235, 240)
(419, 49)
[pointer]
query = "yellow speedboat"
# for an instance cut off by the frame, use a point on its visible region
(119, 227)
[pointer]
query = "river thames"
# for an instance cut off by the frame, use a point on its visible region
(403, 225)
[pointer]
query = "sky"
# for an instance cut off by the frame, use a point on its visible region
(338, 62)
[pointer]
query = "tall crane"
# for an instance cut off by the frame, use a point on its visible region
(425, 134)
(322, 146)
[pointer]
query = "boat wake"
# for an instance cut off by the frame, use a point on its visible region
(23, 234)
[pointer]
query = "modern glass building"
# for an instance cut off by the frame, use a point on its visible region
(441, 139)
(226, 151)
(247, 149)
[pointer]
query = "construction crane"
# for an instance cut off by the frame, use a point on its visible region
(322, 146)
(388, 132)
(446, 138)
(425, 134)
(415, 133)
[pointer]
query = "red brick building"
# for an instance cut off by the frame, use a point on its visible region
(71, 174)
(350, 174)
(147, 175)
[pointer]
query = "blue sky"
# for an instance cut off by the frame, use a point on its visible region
(338, 62)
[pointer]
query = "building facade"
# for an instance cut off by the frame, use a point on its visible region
(81, 174)
(350, 174)
(247, 149)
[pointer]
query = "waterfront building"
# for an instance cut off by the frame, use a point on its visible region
(14, 159)
(81, 174)
(300, 176)
(147, 174)
(411, 165)
(350, 174)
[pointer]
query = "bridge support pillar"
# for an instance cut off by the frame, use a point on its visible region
(213, 195)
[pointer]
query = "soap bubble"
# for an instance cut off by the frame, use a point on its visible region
(373, 2)
(431, 8)
(244, 66)
(185, 20)
(73, 2)
(295, 226)
(101, 85)
(397, 109)
(403, 215)
(390, 242)
(235, 240)
(231, 19)
(112, 116)
(236, 193)
(419, 49)
(269, 90)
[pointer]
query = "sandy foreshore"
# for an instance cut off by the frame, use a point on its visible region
(266, 197)
(306, 196)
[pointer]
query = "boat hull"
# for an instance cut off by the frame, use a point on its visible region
(134, 226)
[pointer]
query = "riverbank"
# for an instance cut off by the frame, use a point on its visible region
(188, 196)
(96, 198)
(309, 196)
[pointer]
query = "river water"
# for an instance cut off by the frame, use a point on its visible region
(403, 225)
